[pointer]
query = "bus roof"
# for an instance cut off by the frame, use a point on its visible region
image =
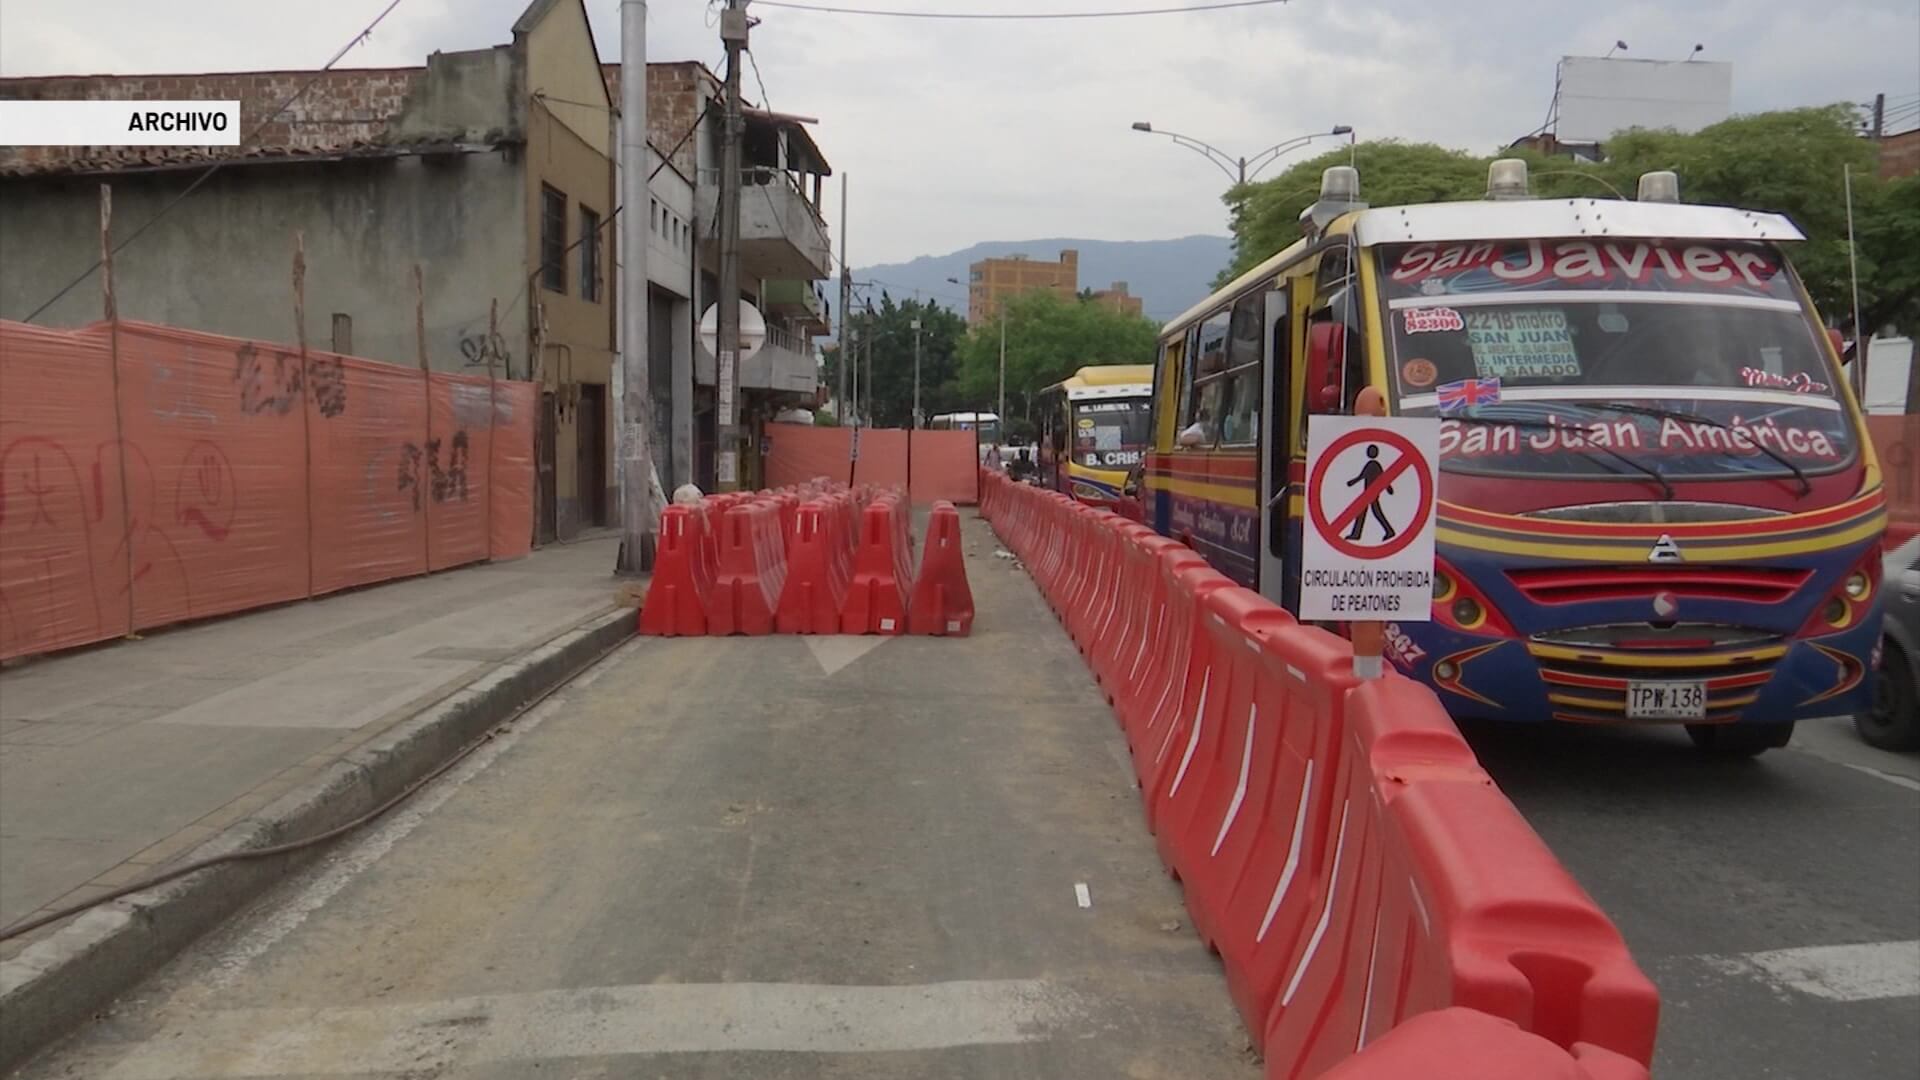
(1106, 381)
(1520, 219)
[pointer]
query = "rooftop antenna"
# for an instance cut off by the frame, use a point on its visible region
(1618, 46)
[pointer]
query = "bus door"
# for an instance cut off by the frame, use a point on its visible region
(1276, 555)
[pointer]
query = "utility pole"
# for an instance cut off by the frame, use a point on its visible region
(733, 34)
(1879, 115)
(846, 299)
(915, 422)
(633, 439)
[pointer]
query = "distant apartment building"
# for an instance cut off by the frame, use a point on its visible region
(1117, 298)
(992, 282)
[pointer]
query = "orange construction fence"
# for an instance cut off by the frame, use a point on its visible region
(928, 465)
(1339, 845)
(1896, 439)
(150, 475)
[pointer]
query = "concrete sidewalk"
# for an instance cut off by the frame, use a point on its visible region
(117, 760)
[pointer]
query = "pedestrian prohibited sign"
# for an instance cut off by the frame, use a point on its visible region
(1367, 550)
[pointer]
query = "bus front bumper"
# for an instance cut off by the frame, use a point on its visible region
(1516, 679)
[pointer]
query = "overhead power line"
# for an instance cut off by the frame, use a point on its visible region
(362, 36)
(1221, 5)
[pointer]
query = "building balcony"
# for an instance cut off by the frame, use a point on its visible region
(784, 364)
(802, 302)
(781, 233)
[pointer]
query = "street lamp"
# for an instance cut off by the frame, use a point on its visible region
(1242, 169)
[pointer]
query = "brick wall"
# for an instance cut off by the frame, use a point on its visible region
(1900, 154)
(674, 96)
(345, 106)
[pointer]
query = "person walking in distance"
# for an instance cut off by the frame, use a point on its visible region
(1368, 474)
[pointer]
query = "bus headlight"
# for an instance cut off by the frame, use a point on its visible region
(1858, 585)
(1442, 585)
(1836, 612)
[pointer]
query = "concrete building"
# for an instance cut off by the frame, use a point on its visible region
(1117, 298)
(1900, 154)
(784, 249)
(491, 170)
(992, 282)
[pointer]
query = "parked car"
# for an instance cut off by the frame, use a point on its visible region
(1894, 721)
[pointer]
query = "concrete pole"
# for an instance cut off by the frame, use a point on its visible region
(846, 302)
(733, 33)
(915, 421)
(633, 459)
(1003, 373)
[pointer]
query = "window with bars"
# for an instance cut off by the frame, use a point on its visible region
(589, 255)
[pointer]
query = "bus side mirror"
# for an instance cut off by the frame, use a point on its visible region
(1326, 352)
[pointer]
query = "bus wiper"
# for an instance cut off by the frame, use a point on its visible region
(1666, 488)
(1659, 413)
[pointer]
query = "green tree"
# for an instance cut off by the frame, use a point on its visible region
(1048, 338)
(1789, 162)
(884, 338)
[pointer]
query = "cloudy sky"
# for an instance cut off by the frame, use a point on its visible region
(957, 132)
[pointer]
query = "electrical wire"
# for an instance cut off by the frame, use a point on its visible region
(358, 38)
(824, 9)
(30, 925)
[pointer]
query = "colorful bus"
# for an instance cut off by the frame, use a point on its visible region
(1657, 499)
(1094, 431)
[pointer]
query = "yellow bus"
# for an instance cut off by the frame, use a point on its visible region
(1657, 501)
(1094, 428)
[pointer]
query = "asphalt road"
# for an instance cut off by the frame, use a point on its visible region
(1775, 902)
(774, 857)
(797, 858)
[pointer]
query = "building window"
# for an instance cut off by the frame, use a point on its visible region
(589, 255)
(553, 240)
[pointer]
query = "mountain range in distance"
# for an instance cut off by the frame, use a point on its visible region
(1169, 276)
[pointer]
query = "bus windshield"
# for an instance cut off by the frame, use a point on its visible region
(1111, 434)
(1693, 359)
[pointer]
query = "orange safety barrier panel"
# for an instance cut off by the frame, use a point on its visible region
(214, 474)
(211, 431)
(1896, 439)
(1338, 843)
(64, 563)
(510, 475)
(454, 469)
(683, 574)
(883, 458)
(877, 594)
(817, 571)
(752, 570)
(369, 490)
(1461, 1044)
(944, 465)
(942, 602)
(801, 452)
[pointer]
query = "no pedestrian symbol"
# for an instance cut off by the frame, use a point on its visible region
(1367, 551)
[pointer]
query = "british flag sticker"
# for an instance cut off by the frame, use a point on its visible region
(1466, 393)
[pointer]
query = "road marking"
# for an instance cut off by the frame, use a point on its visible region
(424, 1038)
(1081, 894)
(836, 651)
(1883, 969)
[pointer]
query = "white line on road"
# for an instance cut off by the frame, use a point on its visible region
(1883, 969)
(1081, 894)
(422, 1038)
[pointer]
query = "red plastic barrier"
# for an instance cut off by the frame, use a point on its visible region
(1461, 1044)
(683, 572)
(817, 573)
(753, 570)
(877, 595)
(942, 602)
(1185, 694)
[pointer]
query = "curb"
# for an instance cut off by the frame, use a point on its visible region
(57, 983)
